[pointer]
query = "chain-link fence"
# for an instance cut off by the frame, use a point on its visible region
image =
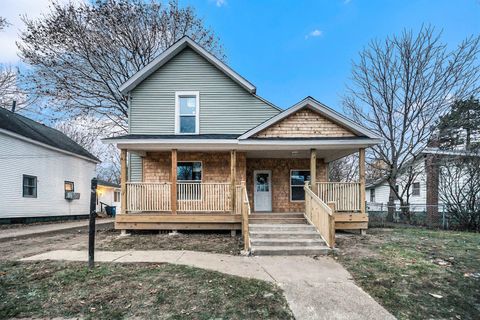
(432, 216)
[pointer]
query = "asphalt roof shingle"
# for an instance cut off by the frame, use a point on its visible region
(41, 133)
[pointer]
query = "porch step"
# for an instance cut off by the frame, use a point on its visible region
(270, 220)
(261, 242)
(297, 215)
(283, 235)
(272, 235)
(282, 227)
(289, 250)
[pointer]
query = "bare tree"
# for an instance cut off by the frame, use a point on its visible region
(400, 86)
(81, 53)
(3, 23)
(344, 169)
(87, 132)
(459, 190)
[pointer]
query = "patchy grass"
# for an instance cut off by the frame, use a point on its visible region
(196, 241)
(417, 273)
(143, 291)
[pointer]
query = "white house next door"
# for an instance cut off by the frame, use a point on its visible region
(262, 186)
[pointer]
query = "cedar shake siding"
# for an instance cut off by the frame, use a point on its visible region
(281, 180)
(304, 123)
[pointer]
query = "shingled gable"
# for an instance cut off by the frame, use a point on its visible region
(308, 119)
(171, 52)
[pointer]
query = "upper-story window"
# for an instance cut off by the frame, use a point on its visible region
(186, 112)
(416, 189)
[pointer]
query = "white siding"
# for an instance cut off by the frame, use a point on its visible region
(51, 168)
(106, 195)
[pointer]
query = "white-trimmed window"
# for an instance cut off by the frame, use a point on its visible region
(29, 186)
(372, 195)
(416, 189)
(297, 182)
(187, 106)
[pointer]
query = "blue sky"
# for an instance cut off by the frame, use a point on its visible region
(274, 44)
(292, 49)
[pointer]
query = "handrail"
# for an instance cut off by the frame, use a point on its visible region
(148, 196)
(346, 195)
(321, 215)
(245, 215)
(203, 197)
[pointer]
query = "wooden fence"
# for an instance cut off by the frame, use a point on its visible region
(346, 195)
(206, 197)
(320, 215)
(146, 197)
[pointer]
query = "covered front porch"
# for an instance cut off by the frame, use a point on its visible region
(190, 189)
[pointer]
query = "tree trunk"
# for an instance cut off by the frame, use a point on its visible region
(391, 201)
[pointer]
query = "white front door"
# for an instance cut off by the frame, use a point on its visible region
(262, 186)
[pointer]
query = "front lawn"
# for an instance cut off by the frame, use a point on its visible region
(143, 291)
(416, 273)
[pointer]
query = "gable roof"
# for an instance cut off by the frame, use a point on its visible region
(32, 130)
(316, 106)
(105, 183)
(171, 52)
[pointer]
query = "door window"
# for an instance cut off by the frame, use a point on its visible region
(261, 182)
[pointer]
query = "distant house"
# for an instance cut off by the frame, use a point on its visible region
(424, 189)
(108, 195)
(44, 173)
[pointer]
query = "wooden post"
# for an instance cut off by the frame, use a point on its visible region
(313, 170)
(123, 181)
(244, 212)
(233, 176)
(91, 223)
(173, 189)
(361, 175)
(331, 225)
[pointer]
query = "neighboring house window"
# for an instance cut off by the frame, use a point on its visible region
(68, 186)
(116, 196)
(29, 186)
(297, 182)
(189, 176)
(416, 189)
(372, 195)
(187, 112)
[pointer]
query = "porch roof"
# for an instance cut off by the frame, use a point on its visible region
(328, 148)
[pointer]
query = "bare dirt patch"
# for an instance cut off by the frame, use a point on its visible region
(215, 242)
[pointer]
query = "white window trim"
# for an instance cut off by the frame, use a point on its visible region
(290, 183)
(419, 189)
(179, 94)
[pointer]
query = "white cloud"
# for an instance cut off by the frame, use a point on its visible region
(221, 3)
(13, 10)
(314, 33)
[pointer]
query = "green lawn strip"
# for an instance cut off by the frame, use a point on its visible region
(195, 241)
(406, 269)
(113, 291)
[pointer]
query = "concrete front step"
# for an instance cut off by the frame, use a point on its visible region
(277, 220)
(262, 242)
(281, 227)
(284, 234)
(289, 250)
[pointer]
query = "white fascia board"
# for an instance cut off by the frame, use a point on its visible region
(171, 52)
(46, 146)
(320, 108)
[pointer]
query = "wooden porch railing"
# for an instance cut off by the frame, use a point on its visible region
(144, 196)
(245, 210)
(320, 215)
(206, 197)
(346, 195)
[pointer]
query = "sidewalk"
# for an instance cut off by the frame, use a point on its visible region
(314, 288)
(27, 231)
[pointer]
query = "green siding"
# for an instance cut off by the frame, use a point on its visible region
(225, 107)
(135, 168)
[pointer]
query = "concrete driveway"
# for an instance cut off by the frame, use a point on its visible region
(317, 288)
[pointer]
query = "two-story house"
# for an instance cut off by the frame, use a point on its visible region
(203, 148)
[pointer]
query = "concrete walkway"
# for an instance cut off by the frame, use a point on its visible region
(26, 231)
(314, 288)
